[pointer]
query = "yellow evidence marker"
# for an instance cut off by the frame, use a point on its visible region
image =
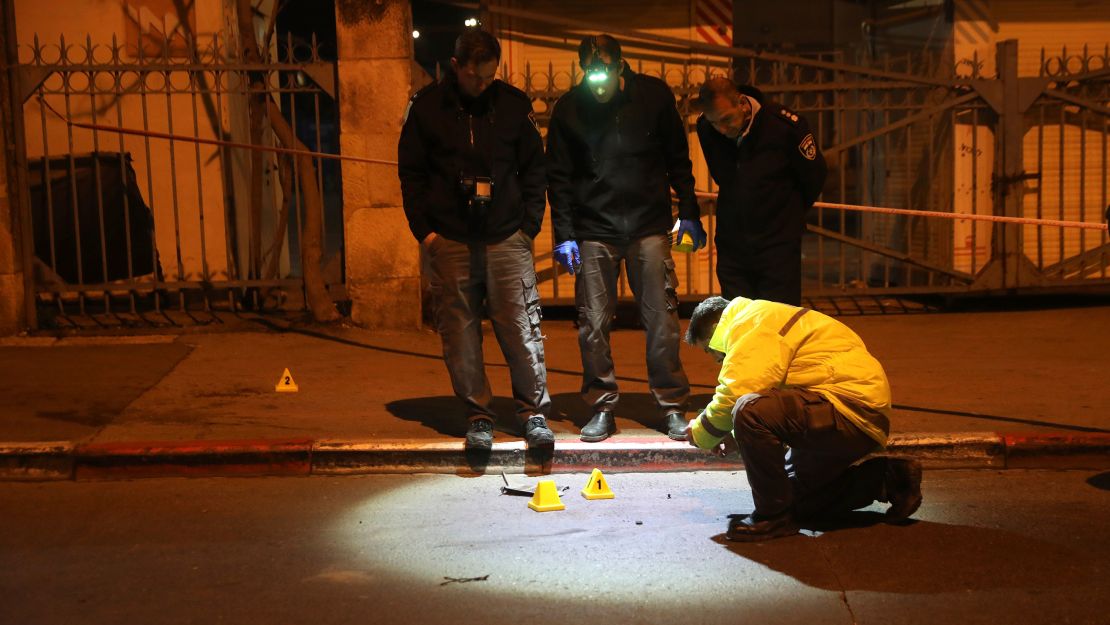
(597, 487)
(286, 383)
(546, 498)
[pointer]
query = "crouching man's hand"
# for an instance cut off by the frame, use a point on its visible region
(690, 432)
(726, 446)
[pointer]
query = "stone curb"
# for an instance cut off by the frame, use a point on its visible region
(303, 456)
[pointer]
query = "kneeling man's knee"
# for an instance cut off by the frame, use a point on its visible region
(745, 414)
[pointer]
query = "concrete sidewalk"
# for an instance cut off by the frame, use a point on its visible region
(997, 389)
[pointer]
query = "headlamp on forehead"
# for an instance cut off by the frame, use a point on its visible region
(597, 74)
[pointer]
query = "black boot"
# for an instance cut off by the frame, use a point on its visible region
(599, 428)
(674, 424)
(903, 487)
(537, 433)
(480, 434)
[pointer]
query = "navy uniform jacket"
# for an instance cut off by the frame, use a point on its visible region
(446, 135)
(611, 166)
(767, 183)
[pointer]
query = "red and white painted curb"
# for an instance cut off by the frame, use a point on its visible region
(303, 456)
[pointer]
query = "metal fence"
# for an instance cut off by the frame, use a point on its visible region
(924, 133)
(140, 226)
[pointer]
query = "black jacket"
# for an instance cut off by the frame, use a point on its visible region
(767, 184)
(445, 136)
(610, 166)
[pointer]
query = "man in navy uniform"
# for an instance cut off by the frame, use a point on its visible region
(769, 171)
(472, 179)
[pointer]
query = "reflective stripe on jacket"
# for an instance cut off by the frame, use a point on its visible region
(768, 344)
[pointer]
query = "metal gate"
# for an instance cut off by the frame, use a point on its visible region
(925, 133)
(139, 176)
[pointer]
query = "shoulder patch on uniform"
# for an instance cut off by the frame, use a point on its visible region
(808, 147)
(788, 114)
(412, 100)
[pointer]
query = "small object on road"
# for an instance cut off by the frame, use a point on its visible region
(509, 489)
(286, 384)
(462, 580)
(639, 522)
(546, 498)
(597, 487)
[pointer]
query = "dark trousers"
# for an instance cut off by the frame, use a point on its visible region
(816, 477)
(773, 273)
(499, 278)
(653, 280)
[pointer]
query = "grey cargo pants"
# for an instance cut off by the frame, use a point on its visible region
(652, 277)
(501, 276)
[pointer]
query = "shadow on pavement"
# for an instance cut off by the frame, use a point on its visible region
(1100, 481)
(639, 407)
(988, 417)
(446, 415)
(270, 325)
(860, 552)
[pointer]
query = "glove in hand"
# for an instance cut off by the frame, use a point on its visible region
(567, 255)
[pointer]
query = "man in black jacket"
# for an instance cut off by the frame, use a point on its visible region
(472, 179)
(615, 146)
(769, 171)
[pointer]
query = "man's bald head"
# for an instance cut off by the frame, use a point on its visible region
(717, 87)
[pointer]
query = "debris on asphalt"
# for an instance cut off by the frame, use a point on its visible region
(522, 491)
(462, 580)
(508, 489)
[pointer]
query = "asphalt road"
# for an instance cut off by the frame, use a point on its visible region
(988, 547)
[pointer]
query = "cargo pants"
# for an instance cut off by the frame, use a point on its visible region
(651, 275)
(817, 475)
(468, 280)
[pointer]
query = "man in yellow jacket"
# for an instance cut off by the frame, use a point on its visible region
(793, 377)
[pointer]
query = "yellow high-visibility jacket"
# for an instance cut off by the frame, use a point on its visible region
(768, 344)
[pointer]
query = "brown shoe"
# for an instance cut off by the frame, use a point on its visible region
(903, 487)
(753, 528)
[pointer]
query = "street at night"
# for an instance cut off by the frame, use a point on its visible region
(986, 547)
(672, 312)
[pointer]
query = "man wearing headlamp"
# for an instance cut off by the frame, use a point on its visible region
(616, 145)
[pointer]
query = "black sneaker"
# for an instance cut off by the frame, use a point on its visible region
(537, 433)
(903, 487)
(480, 434)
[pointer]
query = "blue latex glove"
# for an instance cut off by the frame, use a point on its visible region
(567, 255)
(694, 229)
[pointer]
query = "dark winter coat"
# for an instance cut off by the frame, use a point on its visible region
(611, 167)
(767, 184)
(447, 136)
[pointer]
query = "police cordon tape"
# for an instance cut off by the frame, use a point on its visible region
(1028, 221)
